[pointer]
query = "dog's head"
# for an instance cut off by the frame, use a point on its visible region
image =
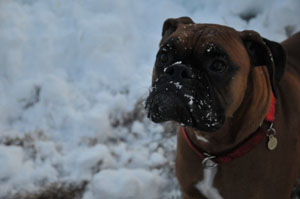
(201, 72)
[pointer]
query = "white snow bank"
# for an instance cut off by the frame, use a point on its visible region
(83, 163)
(125, 184)
(11, 158)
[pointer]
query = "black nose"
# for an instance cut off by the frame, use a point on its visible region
(179, 72)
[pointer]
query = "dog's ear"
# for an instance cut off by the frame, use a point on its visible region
(263, 52)
(171, 24)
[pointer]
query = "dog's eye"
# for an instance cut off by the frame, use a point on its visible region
(163, 58)
(218, 66)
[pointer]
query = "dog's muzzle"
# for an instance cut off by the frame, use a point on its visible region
(165, 102)
(182, 95)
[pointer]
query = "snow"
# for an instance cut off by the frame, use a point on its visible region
(71, 75)
(210, 48)
(191, 99)
(136, 183)
(176, 84)
(12, 163)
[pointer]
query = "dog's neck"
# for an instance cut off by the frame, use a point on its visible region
(253, 109)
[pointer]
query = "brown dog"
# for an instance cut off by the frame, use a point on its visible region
(238, 98)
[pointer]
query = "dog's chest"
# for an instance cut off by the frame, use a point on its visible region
(205, 186)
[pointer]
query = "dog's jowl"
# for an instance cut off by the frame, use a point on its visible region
(236, 97)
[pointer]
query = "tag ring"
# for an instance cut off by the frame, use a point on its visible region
(271, 130)
(209, 164)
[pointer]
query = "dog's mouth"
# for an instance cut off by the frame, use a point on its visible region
(167, 106)
(189, 104)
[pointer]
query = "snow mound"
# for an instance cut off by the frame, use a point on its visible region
(125, 184)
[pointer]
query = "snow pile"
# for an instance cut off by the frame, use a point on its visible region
(13, 163)
(72, 74)
(132, 184)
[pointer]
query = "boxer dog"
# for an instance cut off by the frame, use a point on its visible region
(236, 96)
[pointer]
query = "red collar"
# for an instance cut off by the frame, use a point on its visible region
(243, 148)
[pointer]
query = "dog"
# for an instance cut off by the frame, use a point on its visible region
(236, 96)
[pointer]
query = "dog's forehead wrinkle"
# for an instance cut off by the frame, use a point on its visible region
(209, 40)
(200, 38)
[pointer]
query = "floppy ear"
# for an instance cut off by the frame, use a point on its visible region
(263, 52)
(171, 24)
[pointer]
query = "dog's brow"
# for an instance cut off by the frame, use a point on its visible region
(213, 49)
(167, 46)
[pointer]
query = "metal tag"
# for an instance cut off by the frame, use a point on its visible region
(272, 142)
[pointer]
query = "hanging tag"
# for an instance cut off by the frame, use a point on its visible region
(272, 142)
